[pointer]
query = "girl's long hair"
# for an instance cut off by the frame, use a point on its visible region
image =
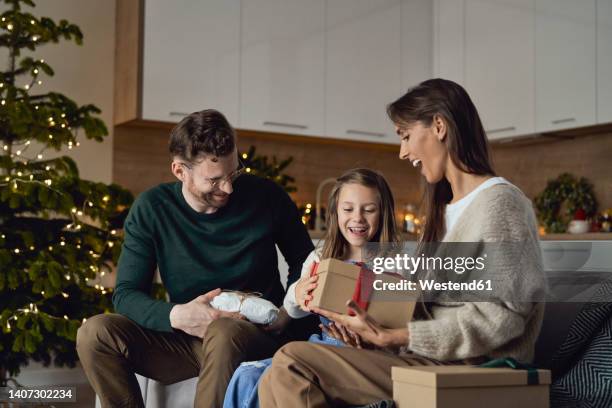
(465, 139)
(336, 246)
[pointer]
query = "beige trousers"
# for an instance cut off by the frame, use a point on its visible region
(112, 348)
(315, 375)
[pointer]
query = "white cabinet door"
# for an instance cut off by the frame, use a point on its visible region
(283, 66)
(417, 42)
(565, 64)
(191, 58)
(604, 61)
(363, 69)
(449, 40)
(499, 60)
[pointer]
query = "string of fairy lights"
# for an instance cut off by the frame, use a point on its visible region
(306, 214)
(98, 269)
(17, 151)
(76, 225)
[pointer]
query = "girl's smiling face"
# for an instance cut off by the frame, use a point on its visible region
(358, 214)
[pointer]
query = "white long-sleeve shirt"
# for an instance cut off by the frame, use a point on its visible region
(290, 304)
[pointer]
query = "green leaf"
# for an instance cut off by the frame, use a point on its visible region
(17, 343)
(22, 321)
(48, 323)
(14, 201)
(43, 195)
(54, 271)
(30, 343)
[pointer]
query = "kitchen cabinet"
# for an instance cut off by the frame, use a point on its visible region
(604, 61)
(565, 64)
(417, 42)
(499, 59)
(324, 68)
(487, 46)
(328, 68)
(191, 58)
(449, 43)
(363, 68)
(283, 66)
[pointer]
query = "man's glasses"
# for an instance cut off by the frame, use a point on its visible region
(216, 181)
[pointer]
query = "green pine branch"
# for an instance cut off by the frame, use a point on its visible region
(274, 170)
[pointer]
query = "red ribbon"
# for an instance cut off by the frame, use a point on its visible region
(363, 288)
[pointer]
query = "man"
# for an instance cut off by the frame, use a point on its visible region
(215, 228)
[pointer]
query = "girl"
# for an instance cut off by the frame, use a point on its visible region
(442, 135)
(361, 210)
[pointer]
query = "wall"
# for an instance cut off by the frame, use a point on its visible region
(141, 161)
(531, 166)
(84, 73)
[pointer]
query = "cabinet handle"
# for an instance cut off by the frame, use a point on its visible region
(557, 121)
(364, 133)
(179, 114)
(289, 125)
(504, 129)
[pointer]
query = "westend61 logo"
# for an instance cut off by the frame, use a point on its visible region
(446, 273)
(412, 264)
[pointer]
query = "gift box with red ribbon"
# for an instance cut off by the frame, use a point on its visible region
(341, 281)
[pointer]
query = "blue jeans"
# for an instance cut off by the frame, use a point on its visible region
(242, 389)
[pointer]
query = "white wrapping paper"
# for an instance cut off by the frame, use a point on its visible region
(255, 309)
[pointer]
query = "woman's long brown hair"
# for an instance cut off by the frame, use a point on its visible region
(465, 139)
(336, 246)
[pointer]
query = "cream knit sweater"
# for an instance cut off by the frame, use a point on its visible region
(456, 331)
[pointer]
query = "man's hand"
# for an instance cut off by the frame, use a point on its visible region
(280, 324)
(194, 317)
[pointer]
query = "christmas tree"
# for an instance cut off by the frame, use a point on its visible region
(259, 166)
(58, 234)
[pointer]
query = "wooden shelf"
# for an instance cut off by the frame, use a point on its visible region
(589, 236)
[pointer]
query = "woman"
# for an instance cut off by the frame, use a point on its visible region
(441, 134)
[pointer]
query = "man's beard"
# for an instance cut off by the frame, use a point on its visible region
(215, 201)
(211, 200)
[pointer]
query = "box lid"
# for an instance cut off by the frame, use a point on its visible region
(464, 376)
(339, 267)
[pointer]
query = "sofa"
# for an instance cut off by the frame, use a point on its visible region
(575, 341)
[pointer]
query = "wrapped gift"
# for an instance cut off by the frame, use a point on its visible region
(470, 387)
(252, 306)
(341, 281)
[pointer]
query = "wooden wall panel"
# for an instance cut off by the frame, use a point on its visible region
(128, 57)
(531, 166)
(141, 161)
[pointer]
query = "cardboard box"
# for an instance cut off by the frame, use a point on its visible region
(336, 285)
(468, 387)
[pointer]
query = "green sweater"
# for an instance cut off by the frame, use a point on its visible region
(233, 248)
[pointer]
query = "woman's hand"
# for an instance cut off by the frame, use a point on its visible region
(339, 332)
(368, 329)
(303, 288)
